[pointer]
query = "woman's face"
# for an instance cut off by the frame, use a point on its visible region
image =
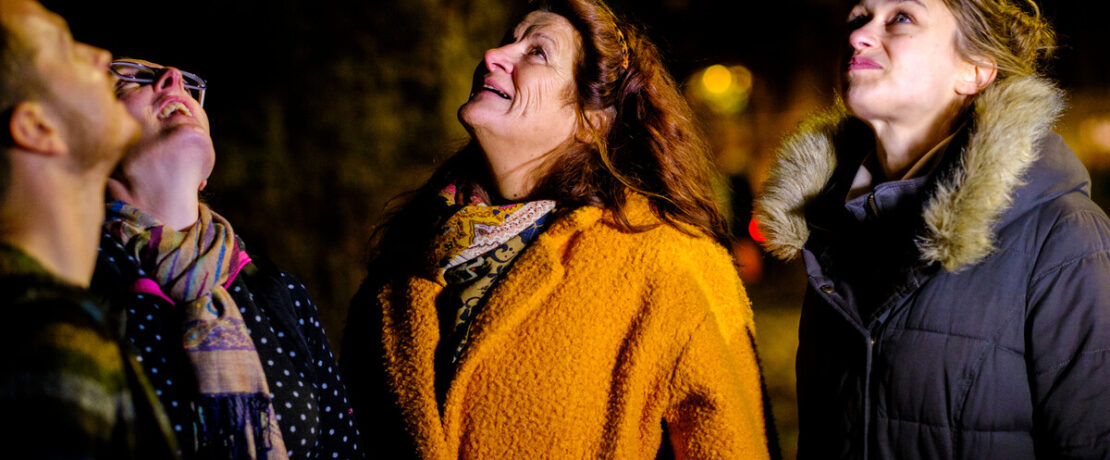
(904, 62)
(164, 106)
(523, 91)
(175, 129)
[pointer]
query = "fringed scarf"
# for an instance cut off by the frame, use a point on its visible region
(473, 248)
(234, 414)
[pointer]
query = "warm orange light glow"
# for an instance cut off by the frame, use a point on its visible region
(742, 77)
(1096, 132)
(722, 89)
(717, 79)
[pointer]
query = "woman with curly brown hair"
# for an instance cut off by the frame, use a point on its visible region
(958, 303)
(558, 287)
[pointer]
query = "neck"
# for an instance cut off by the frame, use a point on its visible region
(55, 217)
(162, 176)
(164, 181)
(901, 143)
(175, 205)
(512, 184)
(515, 167)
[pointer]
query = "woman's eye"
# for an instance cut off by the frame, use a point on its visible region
(857, 21)
(537, 51)
(124, 85)
(900, 18)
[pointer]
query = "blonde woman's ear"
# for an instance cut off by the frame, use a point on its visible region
(975, 77)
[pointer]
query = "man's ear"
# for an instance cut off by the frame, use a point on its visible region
(976, 76)
(34, 131)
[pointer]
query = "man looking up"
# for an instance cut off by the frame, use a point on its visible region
(67, 385)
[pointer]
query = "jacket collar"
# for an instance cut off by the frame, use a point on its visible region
(962, 213)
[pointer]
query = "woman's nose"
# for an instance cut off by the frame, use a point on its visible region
(863, 37)
(170, 78)
(498, 59)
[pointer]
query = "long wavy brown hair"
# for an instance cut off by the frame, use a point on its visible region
(650, 145)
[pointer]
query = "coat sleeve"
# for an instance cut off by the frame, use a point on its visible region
(1068, 340)
(64, 386)
(717, 408)
(362, 363)
(339, 434)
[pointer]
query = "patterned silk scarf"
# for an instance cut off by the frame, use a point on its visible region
(473, 248)
(234, 414)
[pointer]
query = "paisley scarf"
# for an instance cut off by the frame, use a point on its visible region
(472, 249)
(234, 414)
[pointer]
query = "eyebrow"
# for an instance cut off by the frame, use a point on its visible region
(531, 31)
(919, 2)
(548, 38)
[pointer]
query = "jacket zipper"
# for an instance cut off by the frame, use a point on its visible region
(874, 332)
(871, 203)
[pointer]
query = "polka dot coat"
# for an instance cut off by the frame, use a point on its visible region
(310, 401)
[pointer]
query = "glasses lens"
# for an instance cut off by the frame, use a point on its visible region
(133, 72)
(192, 80)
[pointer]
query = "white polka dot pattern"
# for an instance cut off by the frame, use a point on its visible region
(284, 325)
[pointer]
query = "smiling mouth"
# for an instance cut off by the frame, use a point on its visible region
(174, 108)
(495, 91)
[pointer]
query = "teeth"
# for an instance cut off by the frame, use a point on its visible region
(495, 91)
(172, 108)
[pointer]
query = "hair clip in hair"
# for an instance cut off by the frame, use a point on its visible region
(624, 47)
(620, 35)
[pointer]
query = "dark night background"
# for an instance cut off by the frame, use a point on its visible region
(321, 111)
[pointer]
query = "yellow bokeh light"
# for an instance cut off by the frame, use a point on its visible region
(723, 89)
(1095, 131)
(717, 79)
(742, 76)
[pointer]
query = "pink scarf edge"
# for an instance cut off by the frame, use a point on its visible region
(149, 286)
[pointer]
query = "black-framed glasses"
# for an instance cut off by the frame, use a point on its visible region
(144, 75)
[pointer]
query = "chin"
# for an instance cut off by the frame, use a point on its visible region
(860, 104)
(187, 132)
(464, 115)
(472, 116)
(856, 109)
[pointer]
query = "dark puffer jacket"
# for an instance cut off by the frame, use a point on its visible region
(961, 315)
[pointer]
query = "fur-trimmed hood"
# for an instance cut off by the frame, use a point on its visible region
(966, 207)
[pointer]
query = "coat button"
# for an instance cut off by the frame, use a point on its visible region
(827, 288)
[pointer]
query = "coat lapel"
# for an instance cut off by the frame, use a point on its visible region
(525, 287)
(410, 333)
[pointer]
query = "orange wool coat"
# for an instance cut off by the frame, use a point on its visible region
(589, 343)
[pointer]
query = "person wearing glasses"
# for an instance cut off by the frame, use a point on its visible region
(232, 345)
